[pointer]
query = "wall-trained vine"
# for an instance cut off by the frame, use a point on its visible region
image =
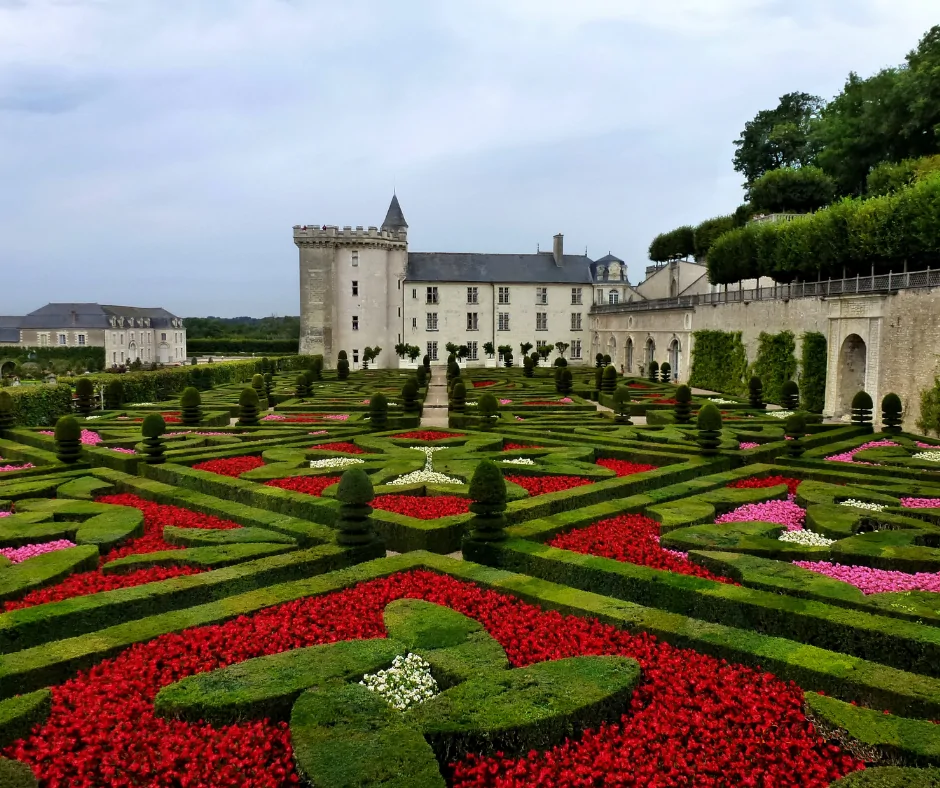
(813, 362)
(719, 361)
(776, 362)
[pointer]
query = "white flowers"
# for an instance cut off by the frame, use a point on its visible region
(520, 461)
(428, 475)
(720, 401)
(89, 418)
(857, 504)
(806, 538)
(336, 462)
(929, 456)
(139, 405)
(406, 683)
(780, 414)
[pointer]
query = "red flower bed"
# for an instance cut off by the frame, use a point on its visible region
(511, 446)
(633, 538)
(422, 507)
(543, 402)
(767, 481)
(231, 466)
(664, 401)
(428, 435)
(636, 386)
(540, 485)
(622, 467)
(156, 516)
(310, 485)
(168, 418)
(481, 384)
(341, 446)
(692, 720)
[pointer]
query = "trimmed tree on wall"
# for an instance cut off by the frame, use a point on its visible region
(719, 362)
(813, 361)
(776, 363)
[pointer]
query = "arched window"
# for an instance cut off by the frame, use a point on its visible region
(629, 351)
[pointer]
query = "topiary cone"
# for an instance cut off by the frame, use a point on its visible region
(303, 386)
(709, 429)
(598, 379)
(795, 430)
(268, 385)
(861, 409)
(609, 383)
(114, 394)
(653, 371)
(409, 395)
(257, 383)
(191, 406)
(755, 392)
(488, 409)
(85, 390)
(378, 412)
(565, 383)
(154, 446)
(354, 525)
(622, 405)
(248, 408)
(342, 369)
(891, 413)
(683, 406)
(665, 372)
(7, 421)
(790, 394)
(458, 401)
(488, 495)
(68, 439)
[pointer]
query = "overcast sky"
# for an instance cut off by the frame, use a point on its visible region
(157, 152)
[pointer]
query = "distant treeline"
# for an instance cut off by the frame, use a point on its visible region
(224, 345)
(243, 328)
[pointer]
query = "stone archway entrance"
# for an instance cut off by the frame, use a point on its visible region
(674, 357)
(650, 352)
(612, 349)
(853, 364)
(628, 352)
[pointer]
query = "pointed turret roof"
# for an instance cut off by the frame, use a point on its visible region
(394, 219)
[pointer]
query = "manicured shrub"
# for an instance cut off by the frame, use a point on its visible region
(488, 493)
(426, 363)
(891, 413)
(665, 372)
(378, 411)
(265, 365)
(191, 407)
(85, 390)
(354, 524)
(599, 361)
(303, 386)
(565, 382)
(598, 379)
(609, 383)
(795, 430)
(790, 395)
(814, 360)
(683, 407)
(622, 405)
(755, 393)
(257, 383)
(409, 395)
(421, 376)
(507, 359)
(342, 369)
(709, 429)
(607, 359)
(7, 421)
(16, 774)
(534, 357)
(488, 408)
(154, 446)
(342, 356)
(114, 394)
(268, 385)
(458, 399)
(68, 439)
(528, 366)
(862, 406)
(316, 368)
(248, 408)
(653, 372)
(561, 361)
(453, 368)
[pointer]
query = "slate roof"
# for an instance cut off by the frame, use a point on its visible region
(394, 219)
(482, 267)
(9, 335)
(83, 315)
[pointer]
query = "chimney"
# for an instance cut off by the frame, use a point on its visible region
(558, 249)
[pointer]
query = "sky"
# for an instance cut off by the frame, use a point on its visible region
(158, 152)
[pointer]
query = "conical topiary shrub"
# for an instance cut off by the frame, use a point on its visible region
(302, 387)
(607, 360)
(268, 385)
(665, 372)
(257, 383)
(342, 369)
(795, 430)
(265, 365)
(114, 394)
(426, 363)
(7, 421)
(598, 380)
(862, 406)
(458, 397)
(609, 383)
(453, 368)
(342, 356)
(891, 413)
(709, 429)
(316, 368)
(528, 367)
(653, 371)
(248, 408)
(421, 376)
(507, 360)
(488, 408)
(565, 381)
(68, 439)
(378, 411)
(622, 405)
(488, 495)
(154, 446)
(191, 406)
(790, 394)
(599, 360)
(683, 406)
(409, 395)
(755, 393)
(85, 390)
(354, 524)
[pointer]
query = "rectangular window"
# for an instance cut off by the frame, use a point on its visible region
(81, 339)
(575, 321)
(541, 321)
(414, 322)
(355, 287)
(432, 321)
(600, 296)
(414, 292)
(43, 340)
(432, 351)
(472, 347)
(576, 348)
(63, 339)
(432, 295)
(540, 343)
(613, 297)
(541, 295)
(472, 295)
(355, 257)
(472, 321)
(504, 321)
(122, 337)
(576, 295)
(504, 295)
(355, 356)
(163, 337)
(355, 322)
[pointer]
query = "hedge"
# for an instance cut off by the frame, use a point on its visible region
(775, 364)
(221, 345)
(40, 406)
(92, 357)
(814, 361)
(719, 362)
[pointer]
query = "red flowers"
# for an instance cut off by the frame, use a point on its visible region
(632, 538)
(540, 485)
(636, 386)
(422, 507)
(231, 466)
(664, 401)
(622, 467)
(692, 720)
(479, 384)
(543, 402)
(341, 446)
(767, 481)
(428, 435)
(310, 485)
(510, 446)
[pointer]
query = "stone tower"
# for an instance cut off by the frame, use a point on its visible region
(351, 287)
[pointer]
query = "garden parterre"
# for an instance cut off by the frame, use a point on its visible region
(668, 617)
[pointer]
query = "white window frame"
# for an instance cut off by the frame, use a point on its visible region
(414, 323)
(541, 321)
(432, 296)
(355, 322)
(81, 339)
(613, 297)
(432, 351)
(503, 321)
(355, 287)
(62, 340)
(576, 321)
(473, 295)
(576, 349)
(431, 321)
(576, 296)
(540, 343)
(503, 295)
(473, 321)
(541, 296)
(472, 347)
(354, 258)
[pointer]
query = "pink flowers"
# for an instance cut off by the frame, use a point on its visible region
(875, 581)
(273, 417)
(5, 514)
(20, 467)
(89, 438)
(505, 402)
(785, 513)
(19, 554)
(849, 456)
(920, 503)
(123, 450)
(747, 445)
(335, 417)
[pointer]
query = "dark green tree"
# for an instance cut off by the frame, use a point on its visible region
(303, 387)
(342, 369)
(507, 359)
(789, 190)
(68, 440)
(488, 495)
(378, 411)
(709, 429)
(565, 382)
(114, 394)
(525, 347)
(708, 232)
(421, 376)
(154, 446)
(191, 406)
(248, 408)
(598, 379)
(599, 360)
(268, 385)
(85, 390)
(622, 405)
(677, 244)
(535, 358)
(426, 363)
(316, 368)
(683, 406)
(528, 367)
(862, 406)
(257, 383)
(891, 415)
(665, 372)
(354, 523)
(790, 395)
(653, 372)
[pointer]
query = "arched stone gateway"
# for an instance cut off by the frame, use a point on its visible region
(628, 353)
(853, 358)
(650, 352)
(854, 342)
(675, 357)
(612, 348)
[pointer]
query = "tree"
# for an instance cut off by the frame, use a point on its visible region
(525, 347)
(790, 190)
(413, 352)
(489, 349)
(674, 245)
(562, 348)
(708, 231)
(191, 406)
(780, 137)
(544, 352)
(68, 440)
(153, 429)
(355, 493)
(452, 348)
(401, 349)
(487, 492)
(463, 352)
